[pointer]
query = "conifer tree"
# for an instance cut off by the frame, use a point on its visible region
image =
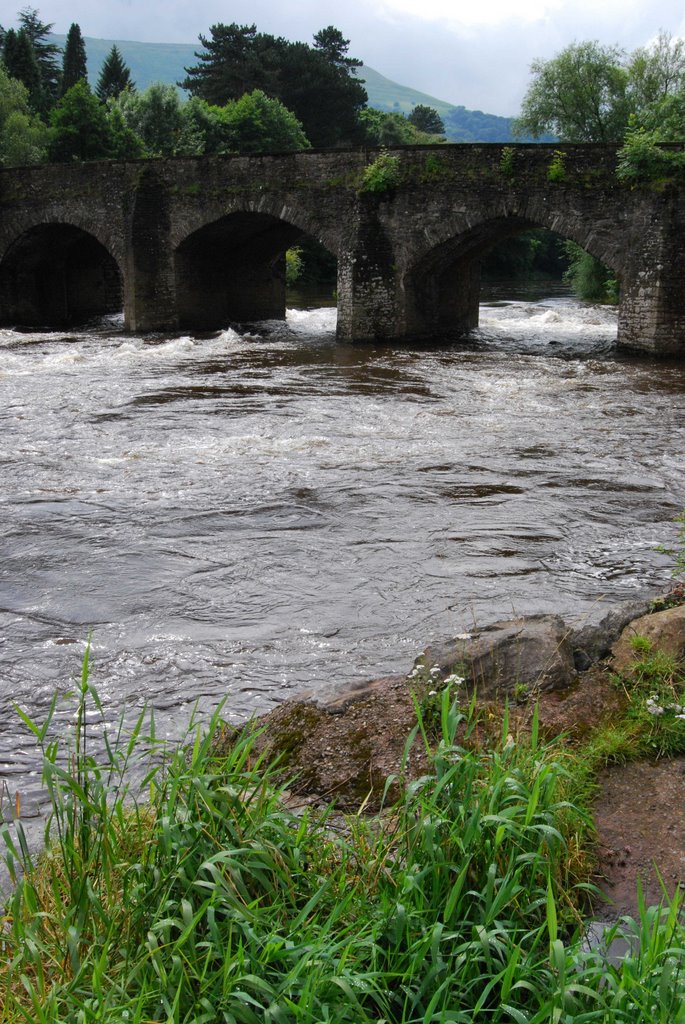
(115, 76)
(21, 63)
(47, 54)
(74, 65)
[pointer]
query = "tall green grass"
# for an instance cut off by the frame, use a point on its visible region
(209, 901)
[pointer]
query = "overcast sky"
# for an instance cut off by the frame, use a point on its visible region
(467, 52)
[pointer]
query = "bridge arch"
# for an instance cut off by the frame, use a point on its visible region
(57, 274)
(232, 267)
(441, 285)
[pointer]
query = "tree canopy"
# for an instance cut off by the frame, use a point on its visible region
(74, 63)
(23, 135)
(594, 93)
(114, 77)
(427, 120)
(579, 95)
(316, 83)
(79, 127)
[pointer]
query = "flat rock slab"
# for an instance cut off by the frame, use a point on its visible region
(532, 654)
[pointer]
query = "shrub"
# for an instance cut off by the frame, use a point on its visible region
(383, 175)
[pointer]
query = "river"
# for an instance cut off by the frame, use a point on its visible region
(253, 514)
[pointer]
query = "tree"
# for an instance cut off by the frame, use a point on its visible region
(316, 84)
(155, 116)
(324, 97)
(258, 124)
(23, 136)
(47, 54)
(79, 127)
(427, 120)
(21, 63)
(235, 60)
(655, 73)
(74, 65)
(114, 77)
(333, 46)
(579, 95)
(383, 128)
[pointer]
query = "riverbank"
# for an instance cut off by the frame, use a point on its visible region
(231, 891)
(592, 685)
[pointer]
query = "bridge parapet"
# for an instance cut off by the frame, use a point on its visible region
(199, 241)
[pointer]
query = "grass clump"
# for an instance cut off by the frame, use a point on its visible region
(208, 900)
(654, 686)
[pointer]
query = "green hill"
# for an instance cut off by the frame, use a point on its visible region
(165, 62)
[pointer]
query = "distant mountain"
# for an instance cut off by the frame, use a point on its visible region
(166, 62)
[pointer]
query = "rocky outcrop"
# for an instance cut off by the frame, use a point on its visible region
(532, 653)
(347, 749)
(665, 631)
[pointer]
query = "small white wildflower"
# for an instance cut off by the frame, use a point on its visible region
(435, 671)
(432, 693)
(681, 716)
(454, 680)
(464, 636)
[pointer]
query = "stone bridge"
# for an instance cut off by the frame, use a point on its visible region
(199, 243)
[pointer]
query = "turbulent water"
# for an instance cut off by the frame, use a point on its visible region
(250, 515)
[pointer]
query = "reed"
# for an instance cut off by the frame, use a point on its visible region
(197, 896)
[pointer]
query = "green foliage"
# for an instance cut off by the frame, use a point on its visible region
(590, 279)
(655, 688)
(316, 83)
(79, 129)
(74, 63)
(579, 95)
(257, 124)
(47, 53)
(331, 43)
(21, 63)
(23, 136)
(426, 119)
(155, 116)
(294, 265)
(506, 161)
(380, 128)
(525, 256)
(381, 176)
(642, 159)
(593, 93)
(114, 78)
(210, 901)
(556, 172)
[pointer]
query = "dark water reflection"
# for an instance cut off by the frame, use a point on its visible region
(256, 514)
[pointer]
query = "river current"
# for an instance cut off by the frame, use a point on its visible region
(252, 514)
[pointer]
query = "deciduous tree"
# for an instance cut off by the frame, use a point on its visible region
(579, 95)
(23, 135)
(79, 127)
(258, 124)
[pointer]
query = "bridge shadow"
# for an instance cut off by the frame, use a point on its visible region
(58, 275)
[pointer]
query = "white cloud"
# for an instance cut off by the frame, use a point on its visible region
(495, 12)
